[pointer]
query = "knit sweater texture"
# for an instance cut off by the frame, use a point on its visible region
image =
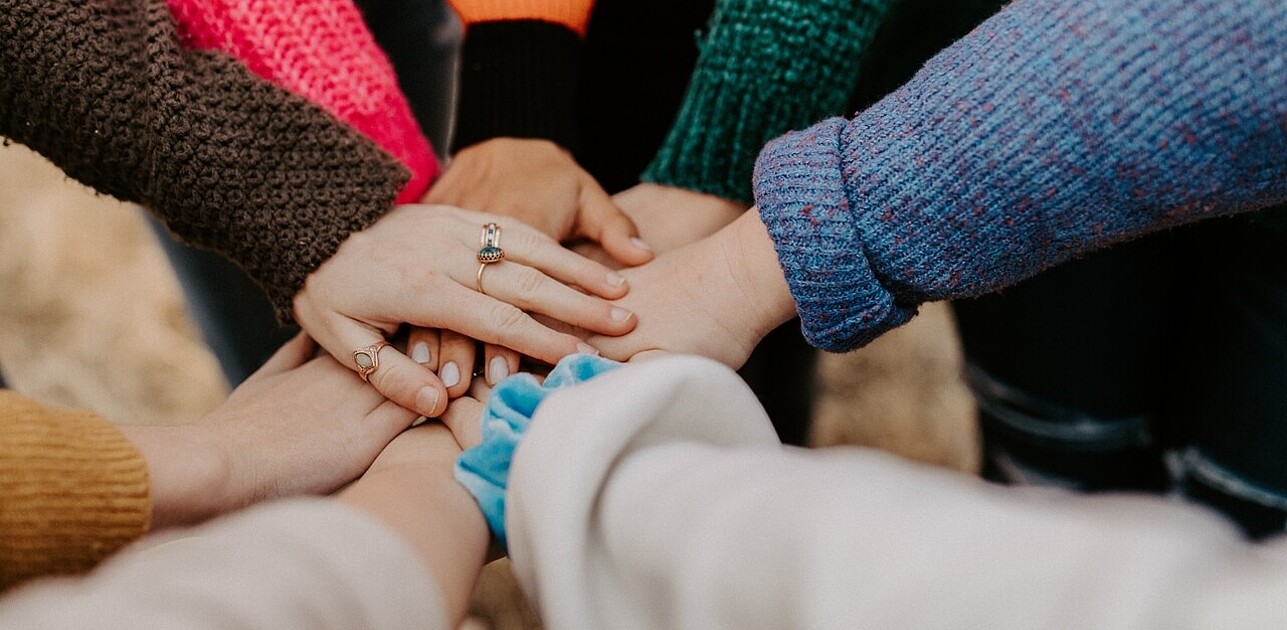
(1052, 129)
(73, 490)
(765, 67)
(323, 52)
(228, 161)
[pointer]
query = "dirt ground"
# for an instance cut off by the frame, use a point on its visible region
(91, 316)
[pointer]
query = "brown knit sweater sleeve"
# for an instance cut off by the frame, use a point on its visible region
(73, 490)
(228, 161)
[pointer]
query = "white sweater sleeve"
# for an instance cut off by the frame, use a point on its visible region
(302, 563)
(656, 496)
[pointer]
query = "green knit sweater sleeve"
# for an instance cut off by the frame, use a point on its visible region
(766, 67)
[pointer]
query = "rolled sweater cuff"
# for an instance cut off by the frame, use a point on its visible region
(800, 192)
(519, 80)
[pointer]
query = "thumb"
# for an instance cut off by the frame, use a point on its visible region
(601, 221)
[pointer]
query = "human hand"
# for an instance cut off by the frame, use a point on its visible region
(669, 217)
(539, 183)
(716, 297)
(418, 265)
(299, 425)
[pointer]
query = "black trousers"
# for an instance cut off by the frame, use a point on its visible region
(1158, 365)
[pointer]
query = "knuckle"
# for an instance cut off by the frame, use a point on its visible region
(396, 384)
(529, 282)
(508, 320)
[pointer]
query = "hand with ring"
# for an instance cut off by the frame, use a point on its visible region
(423, 265)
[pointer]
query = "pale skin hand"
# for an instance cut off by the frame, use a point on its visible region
(538, 183)
(669, 218)
(717, 297)
(417, 265)
(412, 489)
(300, 425)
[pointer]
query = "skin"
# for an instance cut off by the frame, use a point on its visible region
(417, 265)
(300, 425)
(411, 489)
(717, 297)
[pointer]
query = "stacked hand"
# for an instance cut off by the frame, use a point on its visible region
(417, 265)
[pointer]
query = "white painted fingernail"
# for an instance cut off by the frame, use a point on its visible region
(620, 314)
(616, 279)
(450, 374)
(420, 352)
(497, 370)
(639, 244)
(587, 349)
(427, 400)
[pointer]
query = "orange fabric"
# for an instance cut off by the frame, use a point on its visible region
(574, 14)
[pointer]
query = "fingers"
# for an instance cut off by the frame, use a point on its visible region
(456, 363)
(536, 250)
(492, 321)
(464, 417)
(499, 363)
(386, 421)
(405, 382)
(530, 290)
(423, 346)
(603, 222)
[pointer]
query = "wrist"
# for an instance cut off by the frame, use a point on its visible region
(765, 298)
(189, 474)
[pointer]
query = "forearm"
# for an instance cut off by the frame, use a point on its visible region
(765, 67)
(658, 494)
(1048, 131)
(436, 516)
(228, 161)
(189, 474)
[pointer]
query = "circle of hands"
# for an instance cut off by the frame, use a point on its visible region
(623, 276)
(575, 277)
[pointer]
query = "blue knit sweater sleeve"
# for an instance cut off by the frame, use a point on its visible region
(1054, 128)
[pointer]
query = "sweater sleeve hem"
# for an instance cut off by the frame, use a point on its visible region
(801, 195)
(519, 80)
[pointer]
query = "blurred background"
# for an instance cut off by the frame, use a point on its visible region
(91, 316)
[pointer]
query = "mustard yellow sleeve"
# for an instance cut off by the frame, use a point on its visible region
(73, 490)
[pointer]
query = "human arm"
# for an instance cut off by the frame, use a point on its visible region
(78, 488)
(658, 496)
(516, 128)
(997, 161)
(400, 548)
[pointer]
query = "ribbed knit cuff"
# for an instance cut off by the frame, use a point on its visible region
(518, 80)
(800, 191)
(765, 68)
(73, 490)
(574, 14)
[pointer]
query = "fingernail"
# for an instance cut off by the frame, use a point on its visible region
(427, 400)
(497, 370)
(420, 352)
(450, 374)
(639, 244)
(616, 279)
(587, 349)
(620, 314)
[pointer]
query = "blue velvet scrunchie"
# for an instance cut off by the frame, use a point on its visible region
(484, 469)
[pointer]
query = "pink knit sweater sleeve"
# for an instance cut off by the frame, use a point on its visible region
(320, 50)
